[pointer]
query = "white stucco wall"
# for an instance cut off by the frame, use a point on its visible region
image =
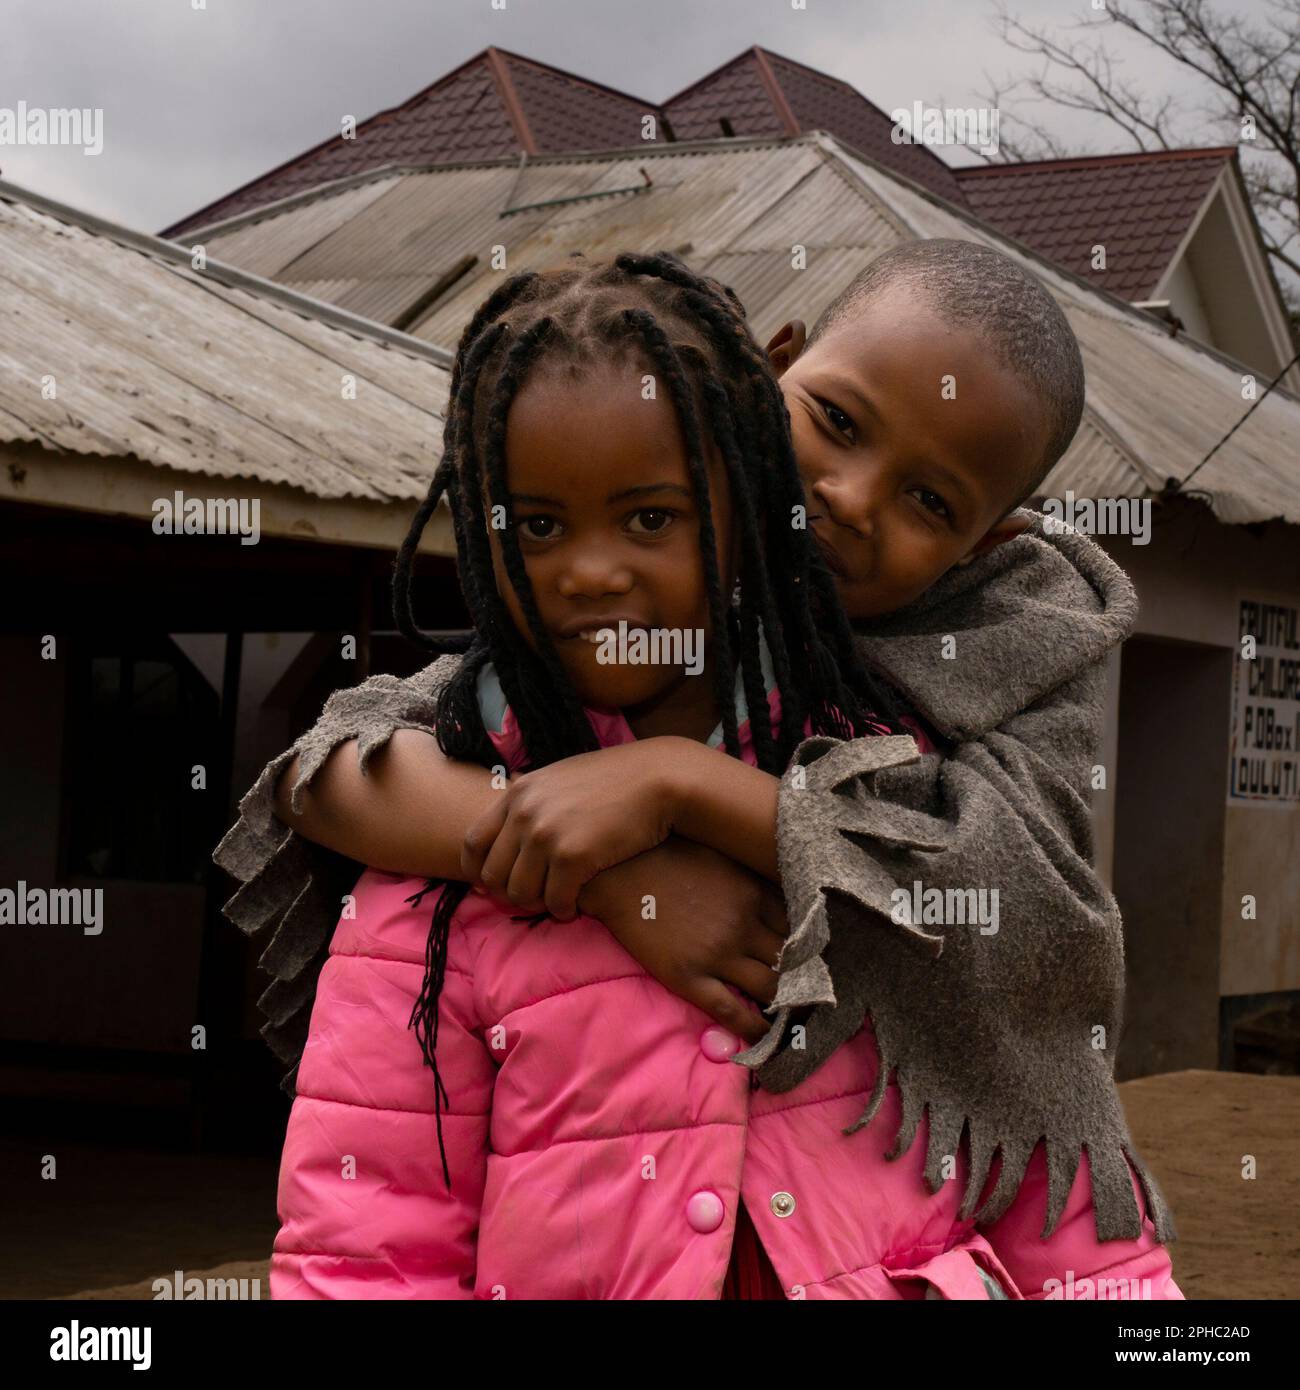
(1190, 580)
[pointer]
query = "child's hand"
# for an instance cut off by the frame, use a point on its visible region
(715, 924)
(553, 830)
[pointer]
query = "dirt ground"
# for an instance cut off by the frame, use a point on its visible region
(117, 1216)
(1237, 1237)
(142, 1216)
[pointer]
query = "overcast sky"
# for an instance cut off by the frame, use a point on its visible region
(197, 102)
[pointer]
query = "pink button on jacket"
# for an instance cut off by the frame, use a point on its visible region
(600, 1139)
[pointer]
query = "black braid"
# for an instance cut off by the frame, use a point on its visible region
(837, 668)
(769, 405)
(445, 480)
(534, 714)
(488, 312)
(662, 352)
(692, 329)
(757, 603)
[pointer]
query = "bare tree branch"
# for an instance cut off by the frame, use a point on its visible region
(1027, 140)
(1101, 93)
(1250, 72)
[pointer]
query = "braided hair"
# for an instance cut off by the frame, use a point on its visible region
(692, 331)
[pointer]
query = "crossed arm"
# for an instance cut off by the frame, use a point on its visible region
(663, 818)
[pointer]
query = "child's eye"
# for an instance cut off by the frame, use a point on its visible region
(837, 418)
(932, 502)
(650, 520)
(539, 528)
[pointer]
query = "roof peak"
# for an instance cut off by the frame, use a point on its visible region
(816, 72)
(758, 51)
(563, 72)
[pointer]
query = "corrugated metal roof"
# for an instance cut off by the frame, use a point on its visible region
(697, 202)
(377, 261)
(824, 209)
(211, 372)
(1095, 465)
(736, 208)
(265, 249)
(721, 198)
(773, 294)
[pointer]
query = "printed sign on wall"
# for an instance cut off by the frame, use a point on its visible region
(1265, 754)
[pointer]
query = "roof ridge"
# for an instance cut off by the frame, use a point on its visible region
(776, 93)
(663, 149)
(817, 72)
(844, 86)
(505, 85)
(430, 86)
(1094, 160)
(749, 53)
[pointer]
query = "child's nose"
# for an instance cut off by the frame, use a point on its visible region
(593, 576)
(847, 504)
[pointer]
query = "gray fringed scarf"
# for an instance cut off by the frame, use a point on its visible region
(1009, 1035)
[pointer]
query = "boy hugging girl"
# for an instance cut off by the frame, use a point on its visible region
(588, 884)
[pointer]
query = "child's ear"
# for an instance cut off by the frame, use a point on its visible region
(786, 345)
(998, 534)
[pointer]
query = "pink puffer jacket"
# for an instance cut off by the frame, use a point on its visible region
(599, 1140)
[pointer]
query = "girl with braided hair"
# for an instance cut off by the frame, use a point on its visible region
(618, 454)
(608, 467)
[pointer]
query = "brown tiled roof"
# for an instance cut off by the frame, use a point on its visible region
(820, 102)
(735, 92)
(567, 113)
(762, 93)
(1138, 206)
(500, 104)
(496, 104)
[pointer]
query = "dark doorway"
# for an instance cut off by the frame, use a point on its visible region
(1171, 789)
